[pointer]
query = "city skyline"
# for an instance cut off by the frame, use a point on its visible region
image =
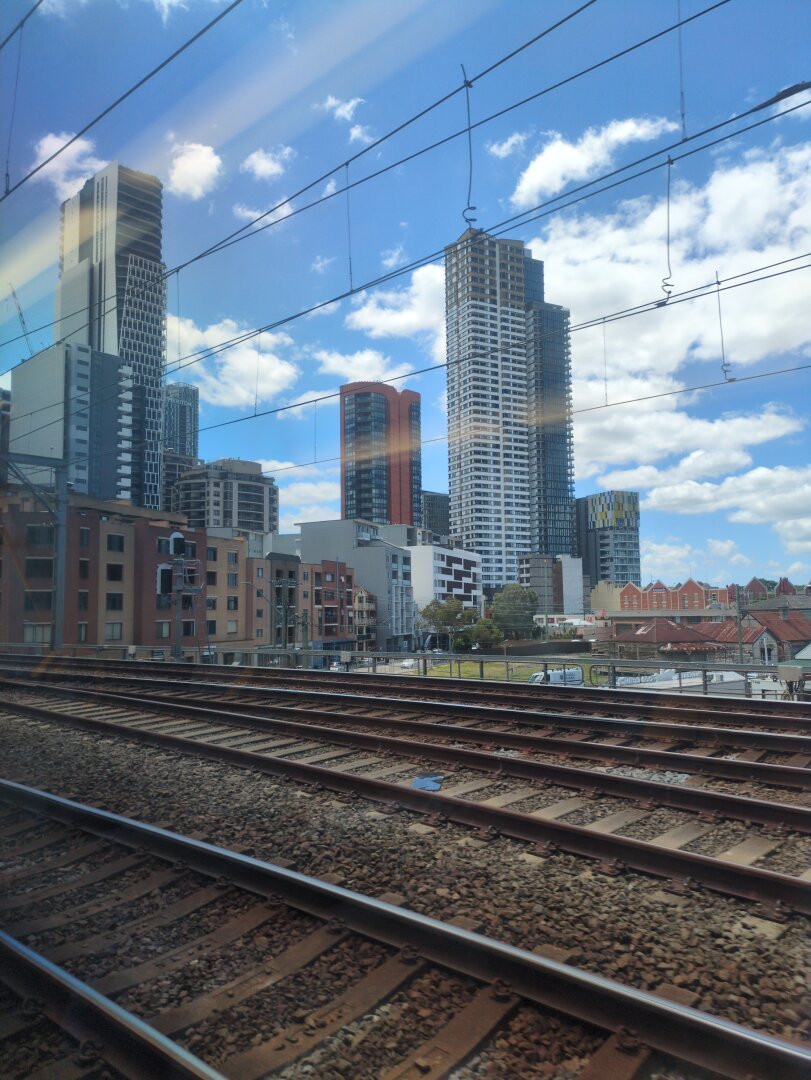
(721, 473)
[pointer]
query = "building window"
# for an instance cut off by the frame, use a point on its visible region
(211, 628)
(84, 539)
(260, 571)
(231, 626)
(233, 558)
(233, 603)
(188, 628)
(211, 577)
(115, 571)
(233, 581)
(115, 542)
(162, 629)
(84, 569)
(211, 603)
(260, 632)
(39, 568)
(260, 613)
(190, 549)
(115, 601)
(163, 601)
(83, 600)
(41, 600)
(163, 545)
(81, 632)
(113, 631)
(39, 536)
(211, 554)
(37, 633)
(306, 575)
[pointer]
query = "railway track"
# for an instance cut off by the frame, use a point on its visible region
(218, 963)
(647, 705)
(745, 847)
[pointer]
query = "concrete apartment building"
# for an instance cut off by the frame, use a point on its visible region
(559, 583)
(75, 403)
(436, 512)
(438, 572)
(381, 455)
(510, 459)
(111, 296)
(228, 494)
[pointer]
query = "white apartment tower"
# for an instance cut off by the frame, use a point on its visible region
(111, 296)
(509, 407)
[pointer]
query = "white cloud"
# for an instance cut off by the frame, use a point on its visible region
(728, 549)
(561, 161)
(313, 403)
(166, 7)
(360, 133)
(393, 257)
(803, 98)
(365, 365)
(321, 262)
(341, 110)
(415, 311)
(247, 213)
(325, 309)
(667, 560)
(330, 188)
(69, 171)
(312, 491)
(513, 144)
(292, 470)
(250, 372)
(268, 164)
(194, 171)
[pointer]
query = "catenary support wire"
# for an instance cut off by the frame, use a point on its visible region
(725, 367)
(470, 221)
(13, 106)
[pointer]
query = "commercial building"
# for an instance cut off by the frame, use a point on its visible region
(228, 494)
(559, 583)
(608, 536)
(509, 407)
(438, 572)
(181, 418)
(172, 468)
(73, 402)
(436, 512)
(111, 296)
(5, 415)
(381, 471)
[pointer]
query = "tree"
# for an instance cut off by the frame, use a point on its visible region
(513, 609)
(445, 616)
(486, 634)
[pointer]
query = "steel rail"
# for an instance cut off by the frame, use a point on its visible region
(654, 702)
(618, 853)
(133, 1047)
(685, 1033)
(759, 811)
(755, 740)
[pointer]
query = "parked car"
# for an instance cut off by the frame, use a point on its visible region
(337, 667)
(408, 663)
(570, 676)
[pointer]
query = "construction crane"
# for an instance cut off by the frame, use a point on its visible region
(22, 318)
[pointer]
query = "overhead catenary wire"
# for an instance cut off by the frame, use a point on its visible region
(652, 306)
(248, 230)
(20, 24)
(544, 209)
(13, 108)
(123, 97)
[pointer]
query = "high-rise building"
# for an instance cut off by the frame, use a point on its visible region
(608, 536)
(435, 512)
(509, 407)
(111, 295)
(181, 412)
(228, 494)
(381, 461)
(5, 415)
(72, 402)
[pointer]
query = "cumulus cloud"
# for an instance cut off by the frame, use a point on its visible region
(282, 210)
(668, 560)
(418, 310)
(69, 171)
(360, 133)
(321, 262)
(341, 110)
(194, 171)
(330, 188)
(307, 402)
(268, 164)
(728, 549)
(365, 365)
(292, 470)
(393, 257)
(513, 144)
(562, 161)
(253, 371)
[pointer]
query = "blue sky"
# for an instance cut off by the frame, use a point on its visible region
(279, 94)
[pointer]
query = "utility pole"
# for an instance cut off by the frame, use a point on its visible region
(739, 623)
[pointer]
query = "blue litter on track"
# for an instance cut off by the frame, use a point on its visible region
(428, 783)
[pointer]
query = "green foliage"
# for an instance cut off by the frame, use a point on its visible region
(513, 609)
(440, 615)
(486, 635)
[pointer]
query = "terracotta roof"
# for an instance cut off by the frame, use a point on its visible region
(794, 627)
(659, 631)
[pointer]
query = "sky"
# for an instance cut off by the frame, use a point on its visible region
(282, 97)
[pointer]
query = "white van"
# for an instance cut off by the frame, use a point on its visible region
(570, 676)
